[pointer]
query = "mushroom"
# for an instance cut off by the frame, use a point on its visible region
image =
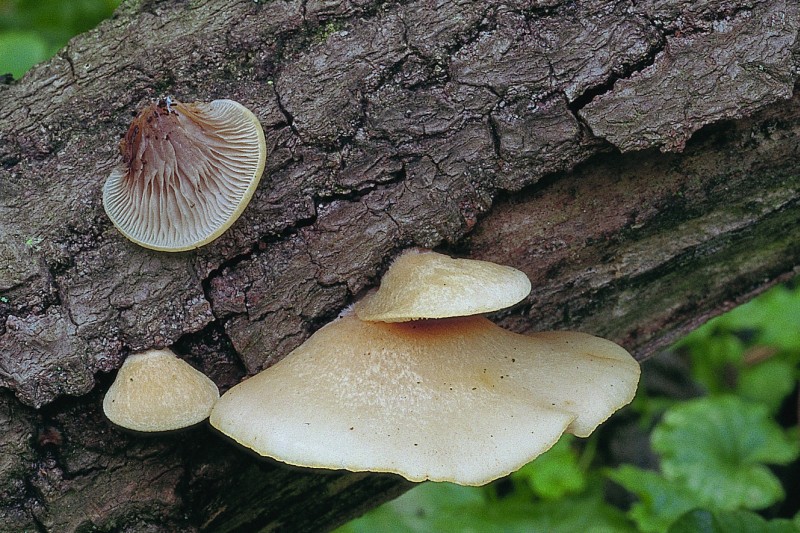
(457, 399)
(189, 171)
(157, 391)
(424, 284)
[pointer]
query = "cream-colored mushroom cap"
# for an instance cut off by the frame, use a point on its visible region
(458, 400)
(189, 171)
(423, 284)
(156, 391)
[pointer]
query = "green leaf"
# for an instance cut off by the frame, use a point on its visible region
(715, 359)
(772, 321)
(34, 30)
(586, 512)
(774, 316)
(768, 382)
(718, 446)
(555, 473)
(650, 408)
(419, 509)
(704, 521)
(443, 508)
(20, 50)
(661, 501)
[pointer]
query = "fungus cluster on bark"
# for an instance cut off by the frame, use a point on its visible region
(439, 393)
(411, 380)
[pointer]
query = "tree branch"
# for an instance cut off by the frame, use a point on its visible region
(636, 159)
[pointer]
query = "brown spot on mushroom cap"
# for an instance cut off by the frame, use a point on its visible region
(156, 391)
(424, 284)
(189, 171)
(425, 399)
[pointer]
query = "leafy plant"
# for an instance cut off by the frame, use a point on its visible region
(20, 50)
(752, 351)
(447, 507)
(34, 30)
(660, 500)
(704, 521)
(718, 447)
(556, 474)
(713, 453)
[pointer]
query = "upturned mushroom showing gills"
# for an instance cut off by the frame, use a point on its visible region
(189, 171)
(425, 284)
(458, 399)
(156, 391)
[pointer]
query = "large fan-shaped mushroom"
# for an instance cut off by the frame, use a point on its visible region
(457, 399)
(189, 171)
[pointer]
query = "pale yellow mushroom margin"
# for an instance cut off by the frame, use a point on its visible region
(246, 197)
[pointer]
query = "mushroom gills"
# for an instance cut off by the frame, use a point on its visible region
(188, 172)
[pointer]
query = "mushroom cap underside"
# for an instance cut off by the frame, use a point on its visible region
(458, 400)
(157, 391)
(189, 172)
(424, 284)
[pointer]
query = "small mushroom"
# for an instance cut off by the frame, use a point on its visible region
(424, 284)
(458, 399)
(156, 391)
(189, 171)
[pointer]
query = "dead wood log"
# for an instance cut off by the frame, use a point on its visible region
(638, 160)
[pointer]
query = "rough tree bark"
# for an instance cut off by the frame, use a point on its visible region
(638, 160)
